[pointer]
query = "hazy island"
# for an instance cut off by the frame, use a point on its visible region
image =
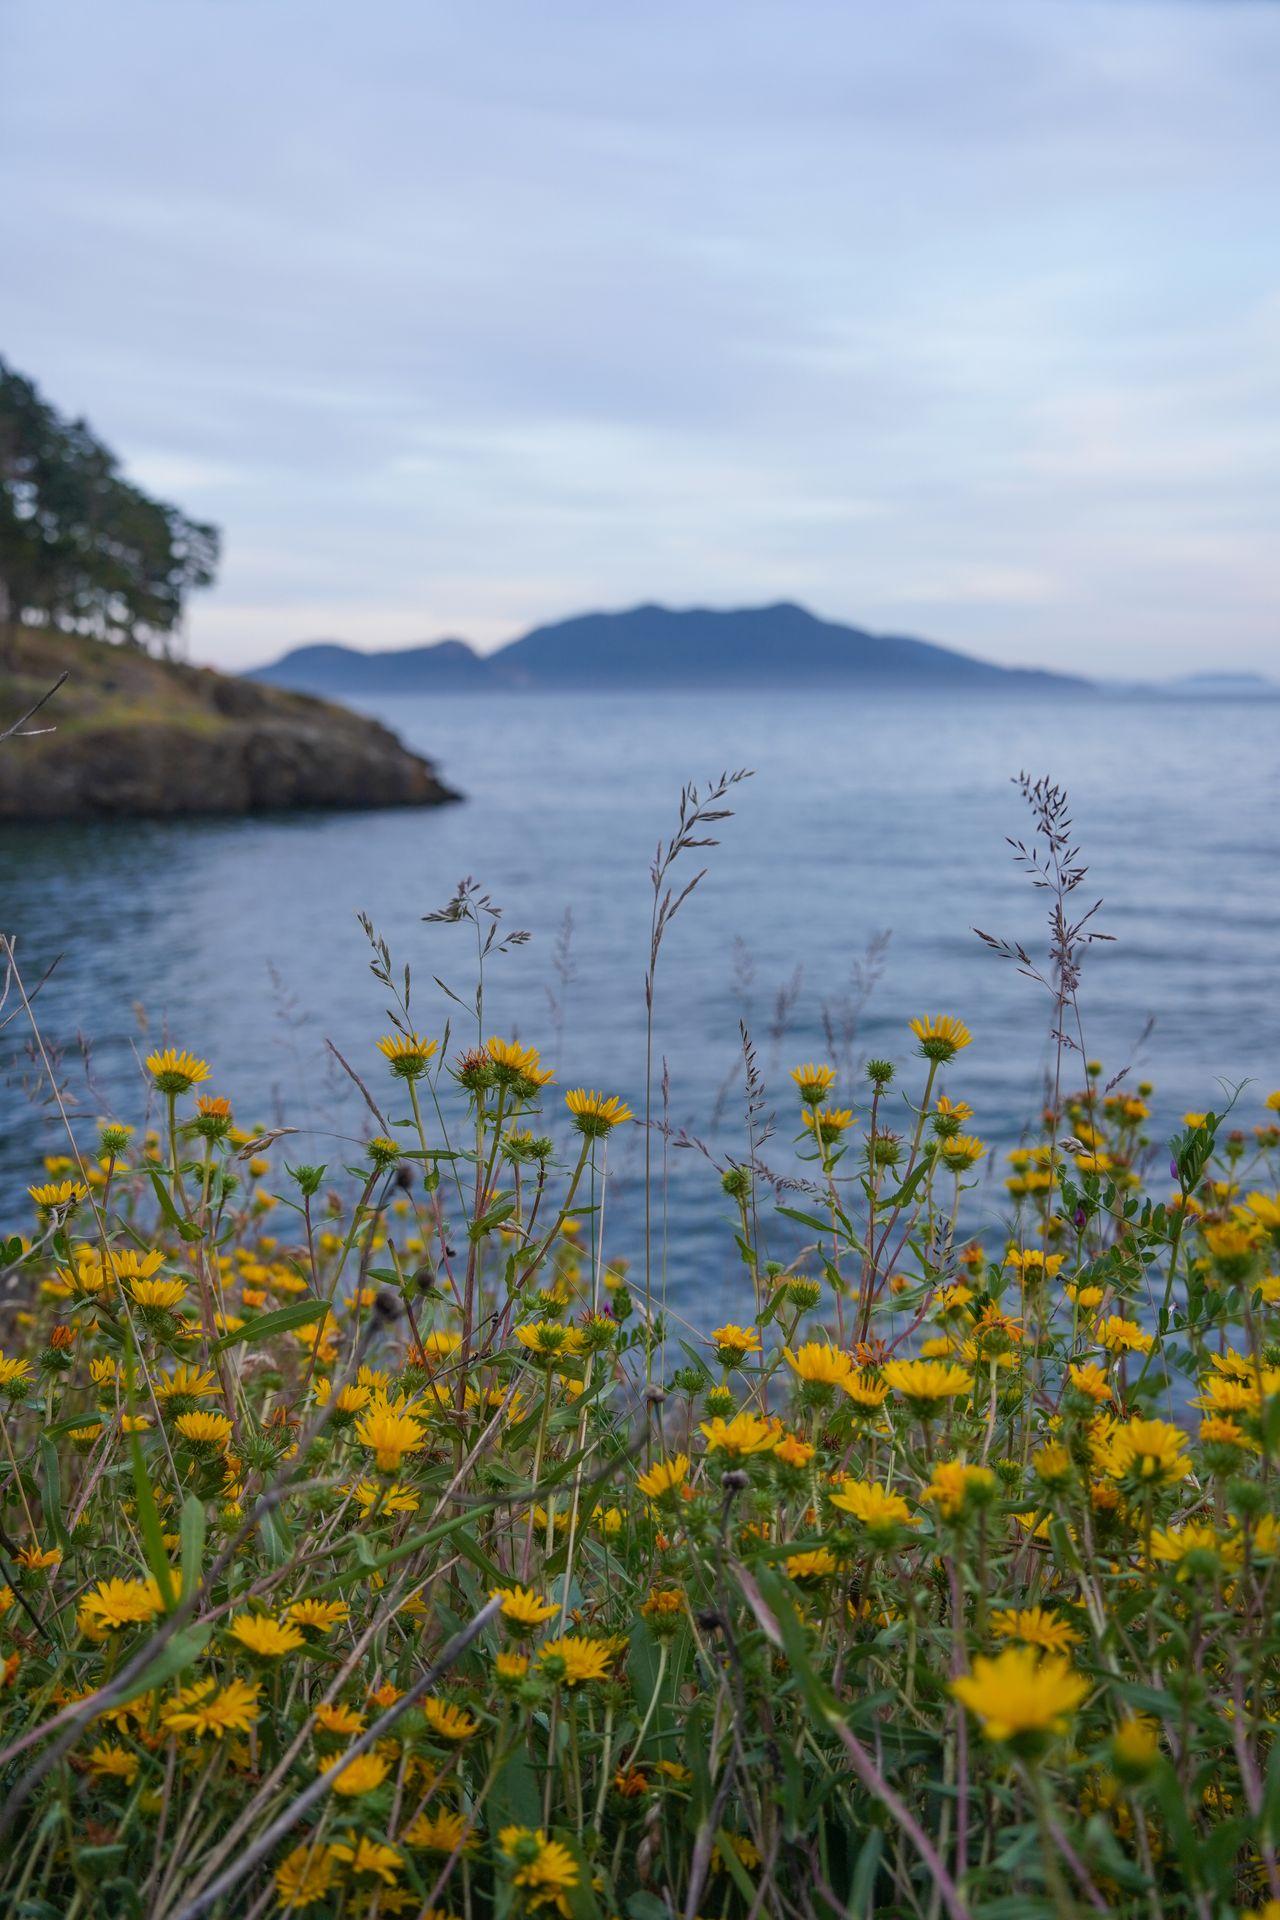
(654, 646)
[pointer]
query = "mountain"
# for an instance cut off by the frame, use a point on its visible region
(125, 733)
(1223, 686)
(653, 646)
(328, 667)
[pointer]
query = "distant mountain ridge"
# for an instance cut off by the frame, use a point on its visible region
(655, 646)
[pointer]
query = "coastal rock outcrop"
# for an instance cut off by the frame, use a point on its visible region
(135, 735)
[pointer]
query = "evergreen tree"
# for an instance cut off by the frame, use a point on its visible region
(80, 546)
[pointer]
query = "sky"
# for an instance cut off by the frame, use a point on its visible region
(958, 318)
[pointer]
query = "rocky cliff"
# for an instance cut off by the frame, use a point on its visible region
(136, 735)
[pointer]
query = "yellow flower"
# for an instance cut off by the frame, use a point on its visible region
(389, 1434)
(866, 1392)
(663, 1603)
(267, 1639)
(965, 1150)
(186, 1383)
(817, 1564)
(304, 1876)
(746, 1851)
(518, 1067)
(734, 1343)
(175, 1072)
(1265, 1208)
(957, 1485)
(442, 1831)
(393, 1499)
(205, 1429)
(204, 1708)
(574, 1659)
(941, 1037)
(593, 1114)
(818, 1363)
(113, 1763)
(1019, 1697)
(926, 1382)
(1119, 1335)
(1135, 1749)
(523, 1607)
(440, 1344)
(1219, 1395)
(448, 1721)
(669, 1476)
(550, 1340)
(745, 1434)
(791, 1451)
(363, 1774)
(1233, 1245)
(827, 1123)
(121, 1603)
(1033, 1263)
(15, 1376)
(544, 1869)
(334, 1717)
(60, 1193)
(406, 1054)
(878, 1510)
(813, 1082)
(39, 1559)
(1091, 1381)
(1035, 1626)
(1052, 1464)
(160, 1295)
(1171, 1545)
(359, 1855)
(1148, 1450)
(321, 1616)
(1215, 1431)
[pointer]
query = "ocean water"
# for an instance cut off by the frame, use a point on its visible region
(868, 815)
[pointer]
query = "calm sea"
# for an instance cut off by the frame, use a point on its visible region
(869, 815)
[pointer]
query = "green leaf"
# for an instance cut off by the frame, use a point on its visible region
(468, 1544)
(164, 1202)
(733, 1866)
(494, 1218)
(51, 1492)
(581, 1899)
(177, 1654)
(149, 1520)
(192, 1531)
(647, 1906)
(867, 1865)
(267, 1325)
(907, 1190)
(806, 1219)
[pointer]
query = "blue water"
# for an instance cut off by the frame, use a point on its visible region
(867, 813)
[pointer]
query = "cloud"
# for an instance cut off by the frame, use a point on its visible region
(458, 319)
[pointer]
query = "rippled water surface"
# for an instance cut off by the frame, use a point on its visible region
(867, 813)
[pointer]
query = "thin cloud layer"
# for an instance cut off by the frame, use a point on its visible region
(954, 318)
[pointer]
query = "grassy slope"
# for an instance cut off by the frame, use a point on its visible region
(135, 734)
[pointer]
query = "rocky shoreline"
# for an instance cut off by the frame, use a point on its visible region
(133, 735)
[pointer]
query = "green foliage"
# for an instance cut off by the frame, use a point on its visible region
(80, 546)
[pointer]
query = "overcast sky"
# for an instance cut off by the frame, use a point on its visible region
(942, 316)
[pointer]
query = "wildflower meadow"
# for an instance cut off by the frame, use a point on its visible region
(377, 1540)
